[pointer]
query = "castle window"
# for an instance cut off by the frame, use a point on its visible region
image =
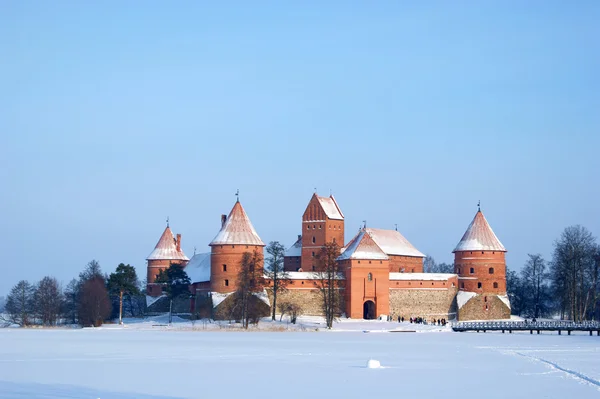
(369, 262)
(486, 307)
(358, 261)
(369, 277)
(478, 285)
(226, 283)
(409, 283)
(421, 283)
(314, 240)
(495, 285)
(303, 283)
(453, 285)
(380, 262)
(246, 247)
(313, 254)
(307, 227)
(412, 270)
(471, 252)
(485, 299)
(224, 268)
(313, 268)
(233, 246)
(334, 239)
(431, 283)
(482, 252)
(491, 270)
(462, 285)
(472, 270)
(319, 227)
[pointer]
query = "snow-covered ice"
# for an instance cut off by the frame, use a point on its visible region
(148, 360)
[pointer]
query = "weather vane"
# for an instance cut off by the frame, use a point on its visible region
(237, 194)
(396, 226)
(167, 221)
(364, 224)
(479, 206)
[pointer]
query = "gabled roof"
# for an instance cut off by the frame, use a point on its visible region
(393, 243)
(479, 237)
(198, 268)
(296, 249)
(237, 229)
(363, 247)
(331, 208)
(166, 248)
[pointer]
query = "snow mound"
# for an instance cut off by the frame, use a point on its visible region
(373, 364)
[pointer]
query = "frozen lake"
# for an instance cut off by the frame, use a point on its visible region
(137, 363)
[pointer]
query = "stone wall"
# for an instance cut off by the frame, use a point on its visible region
(484, 307)
(310, 300)
(429, 303)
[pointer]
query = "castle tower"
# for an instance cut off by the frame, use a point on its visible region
(237, 236)
(479, 261)
(322, 222)
(167, 251)
(366, 268)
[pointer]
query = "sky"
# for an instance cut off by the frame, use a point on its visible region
(117, 115)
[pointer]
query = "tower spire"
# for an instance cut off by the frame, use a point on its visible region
(237, 195)
(479, 206)
(167, 221)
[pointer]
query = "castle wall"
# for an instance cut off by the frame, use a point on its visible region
(405, 264)
(430, 303)
(484, 307)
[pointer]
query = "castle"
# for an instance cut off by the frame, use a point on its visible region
(382, 272)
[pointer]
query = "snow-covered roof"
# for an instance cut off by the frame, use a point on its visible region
(198, 268)
(479, 237)
(393, 243)
(363, 247)
(308, 276)
(462, 297)
(237, 229)
(166, 248)
(421, 276)
(504, 298)
(296, 249)
(331, 208)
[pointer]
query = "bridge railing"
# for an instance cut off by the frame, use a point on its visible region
(526, 325)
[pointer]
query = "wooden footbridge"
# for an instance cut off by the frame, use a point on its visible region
(530, 326)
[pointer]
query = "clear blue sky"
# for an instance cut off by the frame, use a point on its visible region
(114, 116)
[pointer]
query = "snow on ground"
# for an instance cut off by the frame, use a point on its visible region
(148, 360)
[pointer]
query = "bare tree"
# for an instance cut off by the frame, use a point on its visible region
(328, 275)
(514, 290)
(48, 301)
(575, 273)
(535, 285)
(431, 266)
(71, 301)
(249, 281)
(275, 271)
(94, 307)
(19, 303)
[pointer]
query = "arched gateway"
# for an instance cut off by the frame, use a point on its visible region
(369, 310)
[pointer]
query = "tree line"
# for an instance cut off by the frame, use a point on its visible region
(88, 300)
(566, 286)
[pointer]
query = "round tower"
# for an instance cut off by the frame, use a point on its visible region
(166, 252)
(236, 237)
(479, 259)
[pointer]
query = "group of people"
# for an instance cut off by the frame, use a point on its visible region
(421, 320)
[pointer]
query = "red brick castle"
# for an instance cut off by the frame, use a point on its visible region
(382, 272)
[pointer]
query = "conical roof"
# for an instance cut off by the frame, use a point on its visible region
(237, 229)
(166, 248)
(362, 246)
(479, 237)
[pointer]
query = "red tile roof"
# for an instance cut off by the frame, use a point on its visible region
(237, 229)
(166, 248)
(479, 237)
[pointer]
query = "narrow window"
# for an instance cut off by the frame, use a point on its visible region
(485, 299)
(313, 268)
(472, 270)
(224, 268)
(495, 285)
(370, 277)
(313, 254)
(491, 270)
(412, 270)
(319, 227)
(333, 239)
(462, 285)
(226, 283)
(314, 240)
(369, 262)
(478, 285)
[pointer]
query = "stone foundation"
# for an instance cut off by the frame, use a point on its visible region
(310, 300)
(484, 307)
(426, 303)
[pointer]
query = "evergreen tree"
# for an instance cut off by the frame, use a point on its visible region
(176, 283)
(123, 281)
(535, 287)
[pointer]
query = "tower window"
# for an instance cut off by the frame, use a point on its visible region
(319, 227)
(462, 285)
(313, 254)
(472, 270)
(370, 277)
(478, 285)
(226, 283)
(495, 285)
(313, 268)
(314, 240)
(491, 270)
(224, 268)
(485, 299)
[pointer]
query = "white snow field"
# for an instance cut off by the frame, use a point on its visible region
(145, 360)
